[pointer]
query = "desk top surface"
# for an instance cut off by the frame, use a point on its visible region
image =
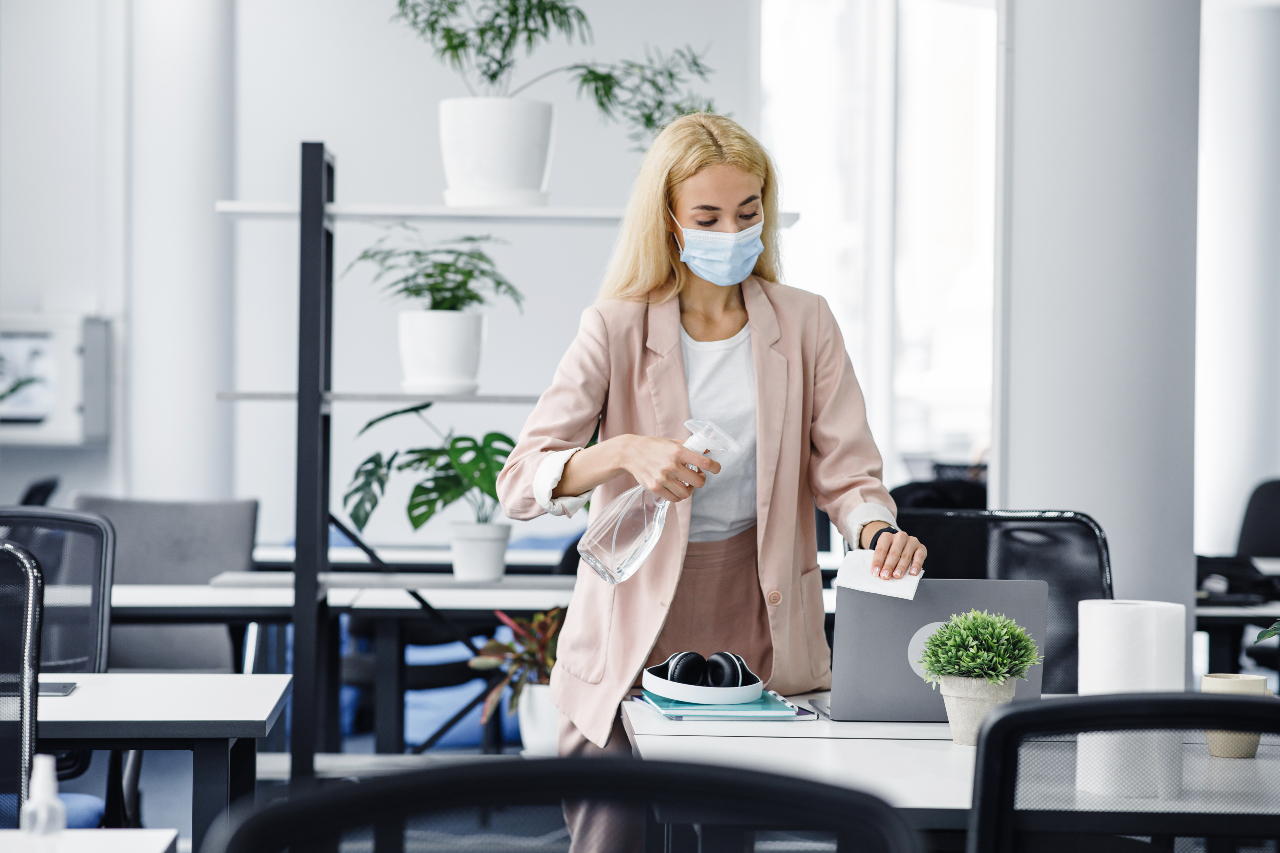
(163, 705)
(98, 841)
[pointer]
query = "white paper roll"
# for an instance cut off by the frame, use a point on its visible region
(1131, 647)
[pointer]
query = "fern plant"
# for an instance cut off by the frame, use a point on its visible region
(448, 275)
(463, 468)
(480, 39)
(979, 645)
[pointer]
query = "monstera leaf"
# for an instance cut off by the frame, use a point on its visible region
(478, 462)
(367, 487)
(434, 494)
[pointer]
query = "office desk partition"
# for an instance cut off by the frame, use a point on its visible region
(217, 717)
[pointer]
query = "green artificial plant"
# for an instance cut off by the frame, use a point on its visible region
(979, 645)
(480, 40)
(462, 468)
(528, 659)
(448, 275)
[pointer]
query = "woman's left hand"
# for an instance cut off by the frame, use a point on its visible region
(895, 555)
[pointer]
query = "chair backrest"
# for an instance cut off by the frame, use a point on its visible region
(20, 608)
(517, 805)
(75, 551)
(1057, 774)
(172, 542)
(39, 492)
(1260, 530)
(940, 494)
(1068, 550)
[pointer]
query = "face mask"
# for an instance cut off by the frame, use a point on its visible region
(721, 258)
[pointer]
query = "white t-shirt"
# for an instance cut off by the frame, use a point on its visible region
(721, 378)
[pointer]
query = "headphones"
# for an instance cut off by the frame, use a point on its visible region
(723, 669)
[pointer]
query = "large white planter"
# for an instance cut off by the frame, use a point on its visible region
(497, 151)
(479, 550)
(440, 351)
(538, 720)
(968, 702)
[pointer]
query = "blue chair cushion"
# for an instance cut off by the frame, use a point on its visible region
(84, 811)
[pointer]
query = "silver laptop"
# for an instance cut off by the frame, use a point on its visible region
(878, 641)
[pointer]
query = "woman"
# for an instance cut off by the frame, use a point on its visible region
(691, 323)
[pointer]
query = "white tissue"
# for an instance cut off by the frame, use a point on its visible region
(855, 573)
(1130, 647)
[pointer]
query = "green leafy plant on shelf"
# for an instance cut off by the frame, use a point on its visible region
(1273, 631)
(480, 39)
(527, 659)
(978, 644)
(462, 468)
(448, 275)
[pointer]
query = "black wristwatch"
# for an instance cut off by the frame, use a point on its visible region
(874, 536)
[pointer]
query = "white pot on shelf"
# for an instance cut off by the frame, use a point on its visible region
(440, 351)
(479, 550)
(497, 151)
(968, 702)
(539, 720)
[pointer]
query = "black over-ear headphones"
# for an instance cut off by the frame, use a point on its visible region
(722, 669)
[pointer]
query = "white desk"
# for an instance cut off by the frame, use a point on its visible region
(912, 766)
(389, 590)
(190, 603)
(97, 841)
(217, 717)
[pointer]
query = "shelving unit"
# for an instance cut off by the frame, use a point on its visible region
(317, 213)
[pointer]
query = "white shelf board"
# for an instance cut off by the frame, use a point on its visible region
(396, 212)
(355, 397)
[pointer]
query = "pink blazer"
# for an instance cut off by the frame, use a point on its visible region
(626, 368)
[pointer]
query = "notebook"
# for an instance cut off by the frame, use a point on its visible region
(770, 706)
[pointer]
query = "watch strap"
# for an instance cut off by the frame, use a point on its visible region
(871, 546)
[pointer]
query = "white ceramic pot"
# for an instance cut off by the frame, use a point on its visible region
(538, 720)
(440, 351)
(479, 550)
(497, 151)
(968, 702)
(1234, 744)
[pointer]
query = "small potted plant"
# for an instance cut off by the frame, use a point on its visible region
(976, 656)
(439, 342)
(462, 469)
(527, 663)
(497, 147)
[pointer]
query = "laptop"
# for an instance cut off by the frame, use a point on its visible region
(878, 641)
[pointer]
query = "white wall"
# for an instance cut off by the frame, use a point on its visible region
(63, 228)
(1096, 276)
(344, 74)
(1238, 311)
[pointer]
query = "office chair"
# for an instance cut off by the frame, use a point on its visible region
(1260, 530)
(517, 805)
(1079, 773)
(75, 551)
(1066, 549)
(21, 606)
(39, 492)
(162, 542)
(940, 494)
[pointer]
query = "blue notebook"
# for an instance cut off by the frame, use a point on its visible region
(770, 706)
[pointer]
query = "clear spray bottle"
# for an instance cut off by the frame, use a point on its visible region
(627, 530)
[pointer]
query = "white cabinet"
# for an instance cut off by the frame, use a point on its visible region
(55, 379)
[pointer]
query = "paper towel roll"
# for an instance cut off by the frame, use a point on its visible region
(1131, 647)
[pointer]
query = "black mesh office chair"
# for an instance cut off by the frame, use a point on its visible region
(1082, 773)
(21, 597)
(1066, 549)
(517, 805)
(76, 552)
(941, 494)
(1260, 531)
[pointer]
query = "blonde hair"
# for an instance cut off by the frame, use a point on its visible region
(647, 255)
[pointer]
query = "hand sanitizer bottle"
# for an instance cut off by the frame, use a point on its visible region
(43, 813)
(624, 534)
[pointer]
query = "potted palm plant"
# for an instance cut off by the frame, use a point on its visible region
(496, 146)
(440, 342)
(976, 657)
(527, 663)
(462, 468)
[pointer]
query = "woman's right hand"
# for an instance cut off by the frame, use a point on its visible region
(661, 465)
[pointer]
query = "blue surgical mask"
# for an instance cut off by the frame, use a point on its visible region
(720, 257)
